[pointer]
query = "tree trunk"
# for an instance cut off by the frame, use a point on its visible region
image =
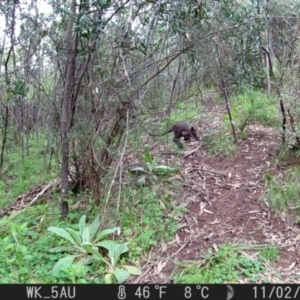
(66, 113)
(224, 91)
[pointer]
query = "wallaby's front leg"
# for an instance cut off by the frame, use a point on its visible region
(177, 142)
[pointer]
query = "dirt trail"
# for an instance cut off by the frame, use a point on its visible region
(226, 206)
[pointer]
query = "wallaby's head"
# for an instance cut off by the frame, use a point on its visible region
(194, 134)
(187, 134)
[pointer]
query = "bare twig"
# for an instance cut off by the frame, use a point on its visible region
(117, 167)
(192, 151)
(36, 198)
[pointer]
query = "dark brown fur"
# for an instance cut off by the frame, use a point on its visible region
(180, 129)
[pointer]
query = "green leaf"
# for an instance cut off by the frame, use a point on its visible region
(107, 244)
(19, 88)
(90, 259)
(165, 169)
(23, 249)
(63, 263)
(104, 233)
(75, 234)
(114, 250)
(62, 233)
(94, 227)
(104, 4)
(121, 275)
(141, 181)
(86, 246)
(86, 235)
(81, 224)
(28, 257)
(150, 166)
(133, 270)
(23, 226)
(7, 96)
(147, 157)
(81, 264)
(108, 278)
(96, 253)
(61, 249)
(139, 169)
(9, 247)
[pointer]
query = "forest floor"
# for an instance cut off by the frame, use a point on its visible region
(226, 205)
(224, 201)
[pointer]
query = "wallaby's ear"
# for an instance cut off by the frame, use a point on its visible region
(193, 129)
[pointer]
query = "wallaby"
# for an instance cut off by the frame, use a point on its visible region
(180, 129)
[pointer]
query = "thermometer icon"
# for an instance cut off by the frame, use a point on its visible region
(121, 294)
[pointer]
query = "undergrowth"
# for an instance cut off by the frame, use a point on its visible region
(249, 107)
(253, 106)
(26, 242)
(20, 176)
(219, 143)
(282, 192)
(147, 218)
(154, 219)
(226, 265)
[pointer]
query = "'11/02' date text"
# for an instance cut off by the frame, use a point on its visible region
(276, 292)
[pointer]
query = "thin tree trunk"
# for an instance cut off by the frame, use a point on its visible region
(66, 113)
(4, 136)
(283, 125)
(7, 79)
(224, 91)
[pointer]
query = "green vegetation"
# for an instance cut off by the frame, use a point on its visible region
(269, 254)
(253, 106)
(282, 193)
(219, 143)
(153, 207)
(84, 250)
(24, 256)
(151, 169)
(186, 111)
(249, 107)
(32, 254)
(20, 176)
(73, 252)
(226, 265)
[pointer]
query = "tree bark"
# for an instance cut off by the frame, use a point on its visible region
(66, 113)
(224, 91)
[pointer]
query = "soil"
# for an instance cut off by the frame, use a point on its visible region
(227, 205)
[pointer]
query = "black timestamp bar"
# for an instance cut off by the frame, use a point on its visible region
(152, 291)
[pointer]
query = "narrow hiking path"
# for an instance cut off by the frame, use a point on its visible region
(226, 205)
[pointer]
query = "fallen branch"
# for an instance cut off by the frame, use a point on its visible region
(191, 152)
(36, 198)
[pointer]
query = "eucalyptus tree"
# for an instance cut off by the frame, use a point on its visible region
(284, 47)
(12, 87)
